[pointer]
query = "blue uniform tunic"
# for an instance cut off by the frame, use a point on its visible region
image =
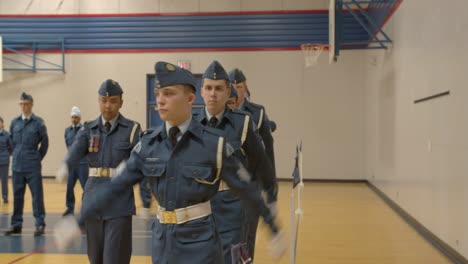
(262, 123)
(30, 143)
(108, 229)
(183, 176)
(229, 212)
(6, 148)
(75, 174)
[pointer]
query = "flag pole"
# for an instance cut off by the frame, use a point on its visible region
(299, 210)
(292, 251)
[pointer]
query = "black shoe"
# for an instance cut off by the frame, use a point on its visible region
(67, 212)
(13, 230)
(5, 201)
(39, 230)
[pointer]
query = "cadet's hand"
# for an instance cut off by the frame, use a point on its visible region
(65, 231)
(62, 173)
(273, 209)
(144, 214)
(277, 245)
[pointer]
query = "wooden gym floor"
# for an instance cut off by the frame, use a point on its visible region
(342, 223)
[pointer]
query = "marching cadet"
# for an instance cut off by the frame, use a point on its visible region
(260, 119)
(30, 145)
(231, 102)
(106, 142)
(6, 148)
(75, 174)
(240, 132)
(184, 162)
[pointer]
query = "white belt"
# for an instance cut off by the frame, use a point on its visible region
(183, 215)
(101, 172)
(223, 186)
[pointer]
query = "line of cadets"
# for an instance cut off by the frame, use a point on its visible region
(206, 171)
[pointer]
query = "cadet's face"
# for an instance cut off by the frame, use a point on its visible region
(110, 106)
(241, 90)
(231, 103)
(174, 103)
(26, 107)
(215, 94)
(1, 124)
(75, 120)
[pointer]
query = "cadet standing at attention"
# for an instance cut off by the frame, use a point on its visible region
(106, 142)
(260, 119)
(6, 148)
(184, 162)
(75, 174)
(30, 145)
(231, 102)
(240, 132)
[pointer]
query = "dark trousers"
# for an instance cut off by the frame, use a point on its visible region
(4, 180)
(145, 193)
(77, 174)
(34, 182)
(251, 225)
(109, 241)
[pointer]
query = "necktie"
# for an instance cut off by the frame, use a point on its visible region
(213, 121)
(107, 125)
(173, 131)
(26, 120)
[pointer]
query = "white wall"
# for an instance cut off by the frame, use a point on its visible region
(323, 106)
(417, 153)
(151, 6)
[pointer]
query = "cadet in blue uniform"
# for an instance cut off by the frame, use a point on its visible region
(257, 111)
(240, 132)
(6, 148)
(30, 144)
(81, 172)
(260, 118)
(184, 162)
(231, 102)
(106, 142)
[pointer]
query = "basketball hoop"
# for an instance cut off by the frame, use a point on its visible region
(311, 53)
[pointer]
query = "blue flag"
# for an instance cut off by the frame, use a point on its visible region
(295, 174)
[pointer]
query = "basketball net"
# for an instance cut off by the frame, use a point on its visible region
(311, 53)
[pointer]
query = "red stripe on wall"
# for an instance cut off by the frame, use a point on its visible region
(158, 50)
(168, 14)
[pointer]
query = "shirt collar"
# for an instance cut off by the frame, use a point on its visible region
(112, 121)
(241, 105)
(209, 116)
(182, 127)
(24, 117)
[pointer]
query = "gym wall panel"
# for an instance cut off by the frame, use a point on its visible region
(305, 4)
(220, 5)
(178, 6)
(139, 6)
(248, 5)
(416, 153)
(100, 7)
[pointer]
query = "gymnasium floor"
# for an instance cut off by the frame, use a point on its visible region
(342, 223)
